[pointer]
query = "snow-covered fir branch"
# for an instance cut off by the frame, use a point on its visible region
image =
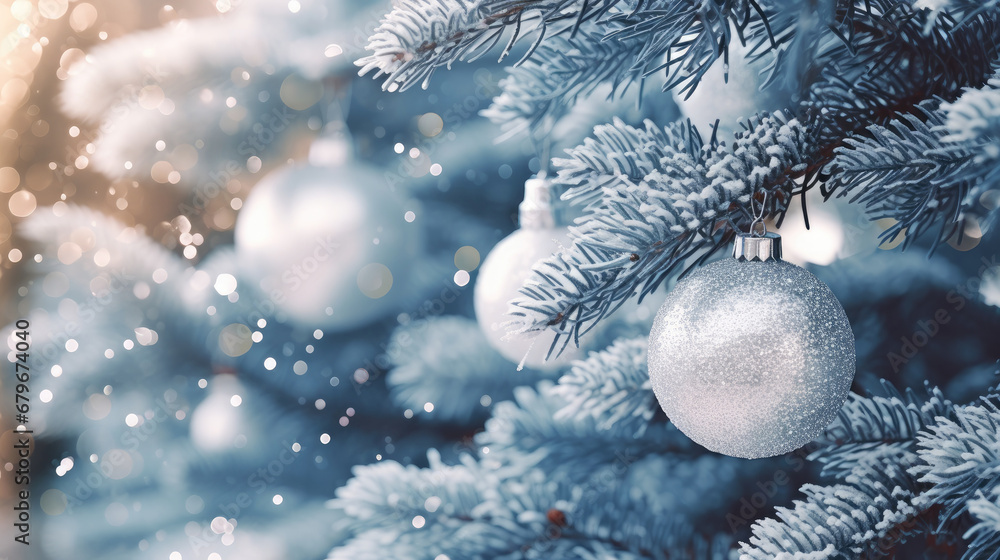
(888, 61)
(985, 534)
(466, 511)
(934, 463)
(439, 360)
(684, 37)
(197, 97)
(655, 211)
(983, 174)
(960, 458)
(908, 172)
(975, 118)
(634, 239)
(389, 494)
(960, 9)
(618, 154)
(615, 253)
(540, 91)
(870, 427)
(611, 386)
(864, 517)
(419, 36)
(529, 430)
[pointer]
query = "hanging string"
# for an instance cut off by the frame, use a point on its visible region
(334, 145)
(543, 169)
(543, 147)
(758, 218)
(337, 102)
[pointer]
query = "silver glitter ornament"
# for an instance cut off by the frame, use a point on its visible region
(751, 356)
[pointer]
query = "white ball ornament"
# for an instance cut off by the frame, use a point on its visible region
(544, 231)
(326, 243)
(218, 421)
(751, 356)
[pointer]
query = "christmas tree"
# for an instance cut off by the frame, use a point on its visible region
(265, 306)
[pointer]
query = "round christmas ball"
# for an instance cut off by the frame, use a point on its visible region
(325, 244)
(216, 422)
(751, 356)
(502, 274)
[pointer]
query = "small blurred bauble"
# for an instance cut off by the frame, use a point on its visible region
(751, 356)
(837, 229)
(218, 424)
(326, 243)
(734, 100)
(544, 221)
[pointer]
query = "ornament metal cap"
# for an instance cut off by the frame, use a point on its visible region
(333, 147)
(750, 247)
(542, 207)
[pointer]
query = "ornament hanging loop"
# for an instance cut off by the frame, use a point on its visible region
(758, 244)
(757, 227)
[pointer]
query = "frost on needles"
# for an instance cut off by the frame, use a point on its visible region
(670, 197)
(895, 108)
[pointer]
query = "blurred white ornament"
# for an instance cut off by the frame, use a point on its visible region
(990, 286)
(751, 356)
(735, 100)
(543, 219)
(822, 243)
(837, 230)
(218, 421)
(325, 243)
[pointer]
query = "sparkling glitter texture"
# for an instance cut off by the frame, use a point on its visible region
(751, 359)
